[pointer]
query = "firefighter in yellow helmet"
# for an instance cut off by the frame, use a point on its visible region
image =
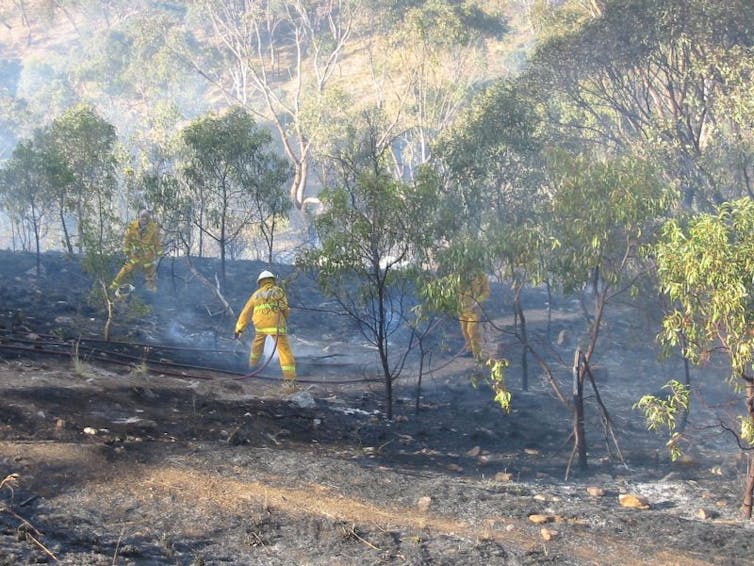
(267, 309)
(142, 247)
(474, 290)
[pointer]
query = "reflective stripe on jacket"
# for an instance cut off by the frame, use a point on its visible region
(267, 309)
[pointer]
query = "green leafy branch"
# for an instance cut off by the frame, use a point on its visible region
(661, 412)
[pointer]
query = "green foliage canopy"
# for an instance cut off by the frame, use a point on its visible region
(706, 267)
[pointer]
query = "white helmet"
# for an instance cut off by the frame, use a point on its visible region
(265, 275)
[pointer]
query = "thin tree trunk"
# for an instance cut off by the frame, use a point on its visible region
(525, 353)
(749, 487)
(66, 236)
(579, 436)
(37, 248)
(421, 373)
(749, 491)
(549, 311)
(687, 381)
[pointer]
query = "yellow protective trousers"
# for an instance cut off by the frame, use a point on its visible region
(471, 333)
(283, 349)
(150, 272)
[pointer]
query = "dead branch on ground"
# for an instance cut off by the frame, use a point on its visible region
(214, 288)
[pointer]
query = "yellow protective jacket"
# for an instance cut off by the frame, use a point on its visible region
(475, 292)
(142, 244)
(267, 309)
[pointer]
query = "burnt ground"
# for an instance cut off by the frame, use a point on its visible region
(119, 464)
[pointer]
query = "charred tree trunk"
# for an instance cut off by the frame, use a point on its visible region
(749, 491)
(749, 487)
(109, 321)
(579, 435)
(519, 313)
(422, 354)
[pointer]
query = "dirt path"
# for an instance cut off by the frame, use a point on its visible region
(222, 490)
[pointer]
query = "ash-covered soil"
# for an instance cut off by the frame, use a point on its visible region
(118, 464)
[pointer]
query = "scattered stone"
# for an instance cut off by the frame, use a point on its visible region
(423, 503)
(633, 501)
(474, 452)
(503, 476)
(303, 400)
(90, 430)
(531, 451)
(59, 424)
(540, 497)
(548, 534)
(562, 337)
(455, 468)
(705, 514)
(595, 491)
(483, 460)
(400, 419)
(538, 519)
(716, 470)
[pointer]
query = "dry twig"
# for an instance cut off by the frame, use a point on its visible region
(351, 533)
(117, 546)
(10, 481)
(27, 526)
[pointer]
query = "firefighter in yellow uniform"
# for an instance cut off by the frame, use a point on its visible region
(475, 289)
(267, 309)
(142, 247)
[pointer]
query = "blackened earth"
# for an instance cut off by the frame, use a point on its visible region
(118, 464)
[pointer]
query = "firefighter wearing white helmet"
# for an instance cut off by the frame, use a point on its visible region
(267, 309)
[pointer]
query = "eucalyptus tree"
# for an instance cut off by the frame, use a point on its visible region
(601, 212)
(131, 63)
(651, 78)
(491, 161)
(150, 176)
(14, 120)
(371, 233)
(706, 267)
(233, 176)
(85, 143)
(426, 60)
(271, 57)
(27, 183)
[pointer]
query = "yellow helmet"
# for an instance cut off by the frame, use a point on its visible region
(265, 275)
